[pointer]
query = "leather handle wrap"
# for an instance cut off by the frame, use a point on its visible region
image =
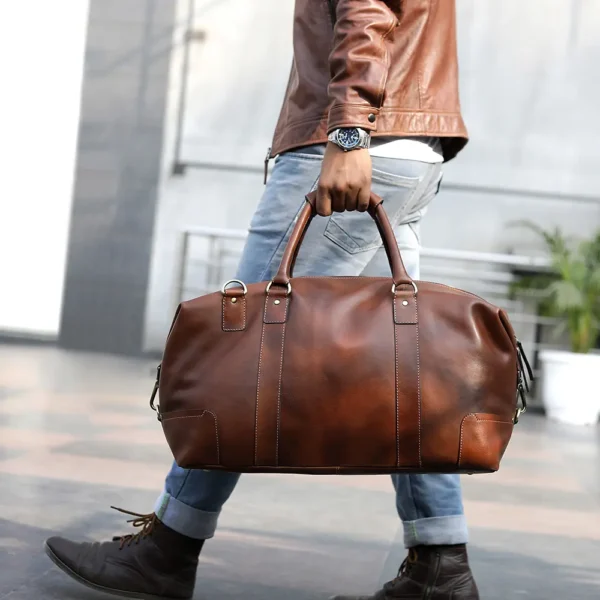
(377, 212)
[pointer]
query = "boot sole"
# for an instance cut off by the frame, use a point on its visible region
(99, 588)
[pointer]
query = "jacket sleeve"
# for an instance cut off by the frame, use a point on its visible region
(359, 61)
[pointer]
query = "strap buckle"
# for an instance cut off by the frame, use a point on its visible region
(233, 281)
(289, 288)
(415, 288)
(518, 414)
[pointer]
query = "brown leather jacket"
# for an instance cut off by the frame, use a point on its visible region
(388, 66)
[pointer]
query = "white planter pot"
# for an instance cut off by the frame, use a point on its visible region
(570, 389)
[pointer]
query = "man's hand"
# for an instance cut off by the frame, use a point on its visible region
(345, 182)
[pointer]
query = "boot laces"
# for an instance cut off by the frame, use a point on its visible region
(147, 523)
(405, 568)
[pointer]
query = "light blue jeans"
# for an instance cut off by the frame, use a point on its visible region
(430, 506)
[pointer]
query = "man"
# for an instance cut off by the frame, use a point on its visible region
(379, 80)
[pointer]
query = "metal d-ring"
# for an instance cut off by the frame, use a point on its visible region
(394, 288)
(289, 288)
(232, 281)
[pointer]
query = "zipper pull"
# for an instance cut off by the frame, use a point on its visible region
(523, 356)
(156, 408)
(267, 159)
(523, 408)
(522, 378)
(524, 370)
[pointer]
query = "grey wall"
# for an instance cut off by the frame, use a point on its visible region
(530, 96)
(119, 154)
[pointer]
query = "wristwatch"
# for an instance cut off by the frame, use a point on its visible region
(350, 138)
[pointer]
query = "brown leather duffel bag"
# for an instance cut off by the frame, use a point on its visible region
(340, 375)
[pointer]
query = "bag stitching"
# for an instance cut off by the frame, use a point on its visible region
(416, 319)
(278, 322)
(491, 420)
(243, 328)
(279, 391)
(214, 416)
(460, 447)
(418, 381)
(416, 322)
(216, 435)
(396, 393)
(262, 340)
(462, 425)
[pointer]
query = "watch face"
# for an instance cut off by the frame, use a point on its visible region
(349, 138)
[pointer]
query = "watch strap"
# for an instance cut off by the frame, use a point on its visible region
(364, 143)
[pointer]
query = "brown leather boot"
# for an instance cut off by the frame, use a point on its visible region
(430, 573)
(156, 563)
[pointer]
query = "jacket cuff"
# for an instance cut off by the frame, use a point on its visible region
(352, 115)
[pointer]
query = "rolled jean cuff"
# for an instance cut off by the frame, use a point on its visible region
(436, 531)
(184, 519)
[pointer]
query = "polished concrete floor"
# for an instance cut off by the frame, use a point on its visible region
(76, 436)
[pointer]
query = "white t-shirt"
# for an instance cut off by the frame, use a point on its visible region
(423, 149)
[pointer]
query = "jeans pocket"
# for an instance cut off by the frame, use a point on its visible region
(306, 153)
(356, 232)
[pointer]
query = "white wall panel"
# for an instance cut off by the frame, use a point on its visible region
(41, 62)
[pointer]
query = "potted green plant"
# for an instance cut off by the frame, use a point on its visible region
(570, 293)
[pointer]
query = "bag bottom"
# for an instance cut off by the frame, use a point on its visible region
(338, 470)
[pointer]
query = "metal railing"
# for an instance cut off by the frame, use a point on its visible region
(209, 257)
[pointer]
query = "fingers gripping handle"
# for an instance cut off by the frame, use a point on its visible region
(399, 274)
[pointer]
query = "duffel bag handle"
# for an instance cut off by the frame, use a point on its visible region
(399, 275)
